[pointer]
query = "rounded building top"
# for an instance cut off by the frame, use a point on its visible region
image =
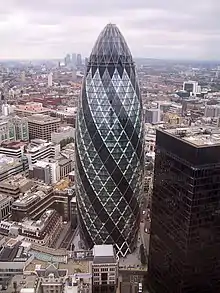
(111, 47)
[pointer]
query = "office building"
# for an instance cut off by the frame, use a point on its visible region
(16, 185)
(5, 206)
(43, 231)
(152, 116)
(13, 128)
(191, 87)
(184, 252)
(109, 146)
(79, 60)
(41, 126)
(15, 149)
(47, 171)
(14, 257)
(67, 60)
(86, 61)
(74, 59)
(40, 149)
(10, 166)
(40, 197)
(63, 134)
(104, 269)
(212, 111)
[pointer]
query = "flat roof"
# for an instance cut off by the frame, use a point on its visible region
(103, 250)
(43, 119)
(196, 136)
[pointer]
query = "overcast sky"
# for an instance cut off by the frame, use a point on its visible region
(187, 29)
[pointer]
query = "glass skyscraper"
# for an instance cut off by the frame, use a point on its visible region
(109, 146)
(184, 254)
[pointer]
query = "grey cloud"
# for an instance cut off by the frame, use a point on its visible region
(161, 28)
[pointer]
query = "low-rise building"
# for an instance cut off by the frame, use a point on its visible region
(14, 257)
(62, 134)
(40, 198)
(40, 149)
(5, 206)
(31, 108)
(15, 149)
(104, 269)
(47, 171)
(15, 186)
(10, 166)
(44, 231)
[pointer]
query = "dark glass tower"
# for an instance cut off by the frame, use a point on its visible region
(109, 146)
(184, 255)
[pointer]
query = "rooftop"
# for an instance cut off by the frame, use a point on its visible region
(32, 195)
(23, 282)
(103, 250)
(13, 144)
(197, 136)
(42, 119)
(15, 182)
(104, 254)
(7, 163)
(39, 224)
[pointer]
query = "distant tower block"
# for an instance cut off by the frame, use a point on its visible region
(50, 79)
(23, 76)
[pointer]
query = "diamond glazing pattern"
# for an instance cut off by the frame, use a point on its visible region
(109, 146)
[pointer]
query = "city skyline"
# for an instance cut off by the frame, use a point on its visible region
(161, 30)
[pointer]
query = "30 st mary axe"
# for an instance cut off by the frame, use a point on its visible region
(109, 146)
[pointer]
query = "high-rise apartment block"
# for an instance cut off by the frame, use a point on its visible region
(50, 79)
(41, 126)
(184, 253)
(109, 146)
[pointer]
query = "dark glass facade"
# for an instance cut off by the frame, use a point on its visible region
(184, 255)
(109, 146)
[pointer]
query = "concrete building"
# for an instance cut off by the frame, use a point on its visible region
(212, 111)
(43, 231)
(14, 257)
(40, 149)
(63, 133)
(15, 149)
(42, 197)
(104, 269)
(5, 206)
(41, 126)
(10, 166)
(152, 116)
(47, 171)
(16, 185)
(31, 108)
(66, 166)
(67, 114)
